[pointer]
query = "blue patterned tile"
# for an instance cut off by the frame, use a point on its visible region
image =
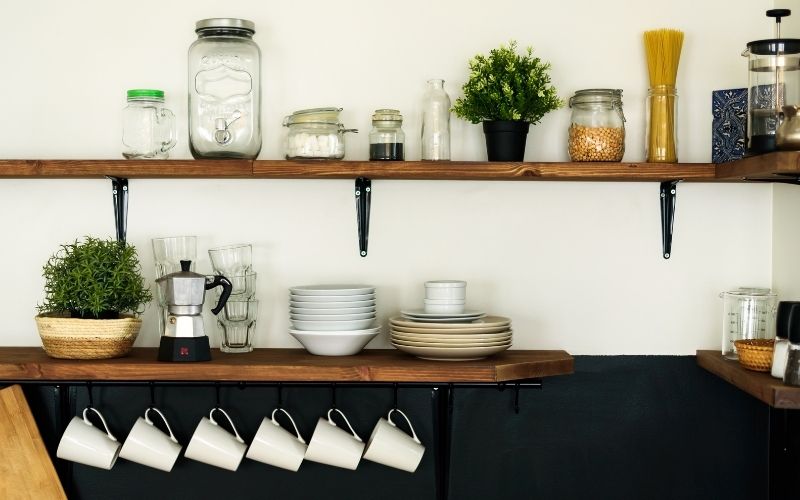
(729, 112)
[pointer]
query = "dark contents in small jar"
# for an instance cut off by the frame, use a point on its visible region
(386, 151)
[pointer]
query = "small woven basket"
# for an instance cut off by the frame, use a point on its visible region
(755, 354)
(75, 338)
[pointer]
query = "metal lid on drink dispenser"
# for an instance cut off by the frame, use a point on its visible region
(225, 23)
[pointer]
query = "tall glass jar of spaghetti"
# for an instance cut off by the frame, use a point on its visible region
(597, 126)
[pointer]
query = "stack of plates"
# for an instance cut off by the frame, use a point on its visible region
(333, 320)
(451, 341)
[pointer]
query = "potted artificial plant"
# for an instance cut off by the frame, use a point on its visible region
(507, 92)
(93, 291)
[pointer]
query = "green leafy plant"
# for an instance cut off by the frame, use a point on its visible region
(94, 279)
(507, 86)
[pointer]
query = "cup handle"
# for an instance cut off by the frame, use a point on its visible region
(169, 118)
(86, 421)
(330, 421)
(211, 417)
(413, 433)
(147, 419)
(297, 432)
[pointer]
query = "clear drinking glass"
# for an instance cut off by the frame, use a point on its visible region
(436, 122)
(232, 260)
(244, 287)
(748, 313)
(168, 253)
(237, 324)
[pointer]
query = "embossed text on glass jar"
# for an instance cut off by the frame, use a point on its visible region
(225, 90)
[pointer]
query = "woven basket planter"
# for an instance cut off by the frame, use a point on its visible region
(75, 338)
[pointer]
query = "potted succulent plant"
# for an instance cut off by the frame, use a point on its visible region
(508, 92)
(93, 291)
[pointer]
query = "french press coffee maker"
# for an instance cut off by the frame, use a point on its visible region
(184, 337)
(774, 82)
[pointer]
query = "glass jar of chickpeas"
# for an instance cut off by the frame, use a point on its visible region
(597, 126)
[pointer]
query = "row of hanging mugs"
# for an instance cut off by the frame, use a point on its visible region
(330, 444)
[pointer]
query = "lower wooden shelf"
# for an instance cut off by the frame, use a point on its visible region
(759, 385)
(372, 365)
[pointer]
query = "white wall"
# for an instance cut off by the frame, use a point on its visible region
(576, 265)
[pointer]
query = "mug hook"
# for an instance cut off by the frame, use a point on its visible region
(216, 387)
(89, 390)
(280, 394)
(394, 388)
(333, 395)
(152, 394)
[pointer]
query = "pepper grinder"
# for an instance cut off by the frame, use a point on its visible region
(792, 374)
(788, 312)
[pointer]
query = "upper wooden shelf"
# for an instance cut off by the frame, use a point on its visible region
(284, 365)
(758, 384)
(775, 167)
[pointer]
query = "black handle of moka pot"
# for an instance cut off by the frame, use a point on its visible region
(227, 288)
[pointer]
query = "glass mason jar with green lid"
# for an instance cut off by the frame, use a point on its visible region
(148, 128)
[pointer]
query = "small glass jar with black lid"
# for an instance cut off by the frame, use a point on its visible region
(386, 139)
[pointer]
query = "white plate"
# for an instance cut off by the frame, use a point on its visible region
(332, 290)
(420, 313)
(465, 330)
(332, 305)
(412, 343)
(451, 354)
(366, 331)
(333, 310)
(467, 319)
(332, 317)
(483, 322)
(331, 298)
(458, 339)
(327, 326)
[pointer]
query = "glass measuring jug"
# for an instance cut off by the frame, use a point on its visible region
(748, 313)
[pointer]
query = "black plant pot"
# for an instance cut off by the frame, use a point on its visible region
(505, 139)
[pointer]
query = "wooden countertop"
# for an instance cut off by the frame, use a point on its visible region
(372, 365)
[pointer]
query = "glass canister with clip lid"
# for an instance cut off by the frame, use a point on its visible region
(387, 139)
(597, 125)
(315, 134)
(748, 313)
(225, 90)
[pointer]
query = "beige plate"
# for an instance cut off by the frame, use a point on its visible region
(458, 339)
(450, 345)
(450, 353)
(453, 331)
(488, 321)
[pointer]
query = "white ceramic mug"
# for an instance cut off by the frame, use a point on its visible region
(86, 444)
(388, 445)
(276, 446)
(147, 445)
(213, 445)
(334, 446)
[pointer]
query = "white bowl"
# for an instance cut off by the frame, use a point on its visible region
(444, 290)
(444, 302)
(444, 308)
(331, 317)
(332, 326)
(332, 305)
(333, 343)
(341, 310)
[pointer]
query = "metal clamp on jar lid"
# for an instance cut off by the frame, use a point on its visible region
(586, 96)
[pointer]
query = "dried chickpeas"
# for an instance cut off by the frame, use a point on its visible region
(596, 143)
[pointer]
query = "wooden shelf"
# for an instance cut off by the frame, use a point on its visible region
(758, 384)
(781, 166)
(372, 365)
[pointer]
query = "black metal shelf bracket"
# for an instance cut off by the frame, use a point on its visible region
(119, 191)
(669, 191)
(363, 201)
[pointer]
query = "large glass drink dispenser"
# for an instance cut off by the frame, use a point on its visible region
(774, 82)
(225, 90)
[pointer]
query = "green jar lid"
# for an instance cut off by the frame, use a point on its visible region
(146, 94)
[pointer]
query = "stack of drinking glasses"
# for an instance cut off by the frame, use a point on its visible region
(237, 321)
(169, 252)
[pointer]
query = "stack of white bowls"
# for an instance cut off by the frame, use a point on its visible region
(333, 320)
(445, 296)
